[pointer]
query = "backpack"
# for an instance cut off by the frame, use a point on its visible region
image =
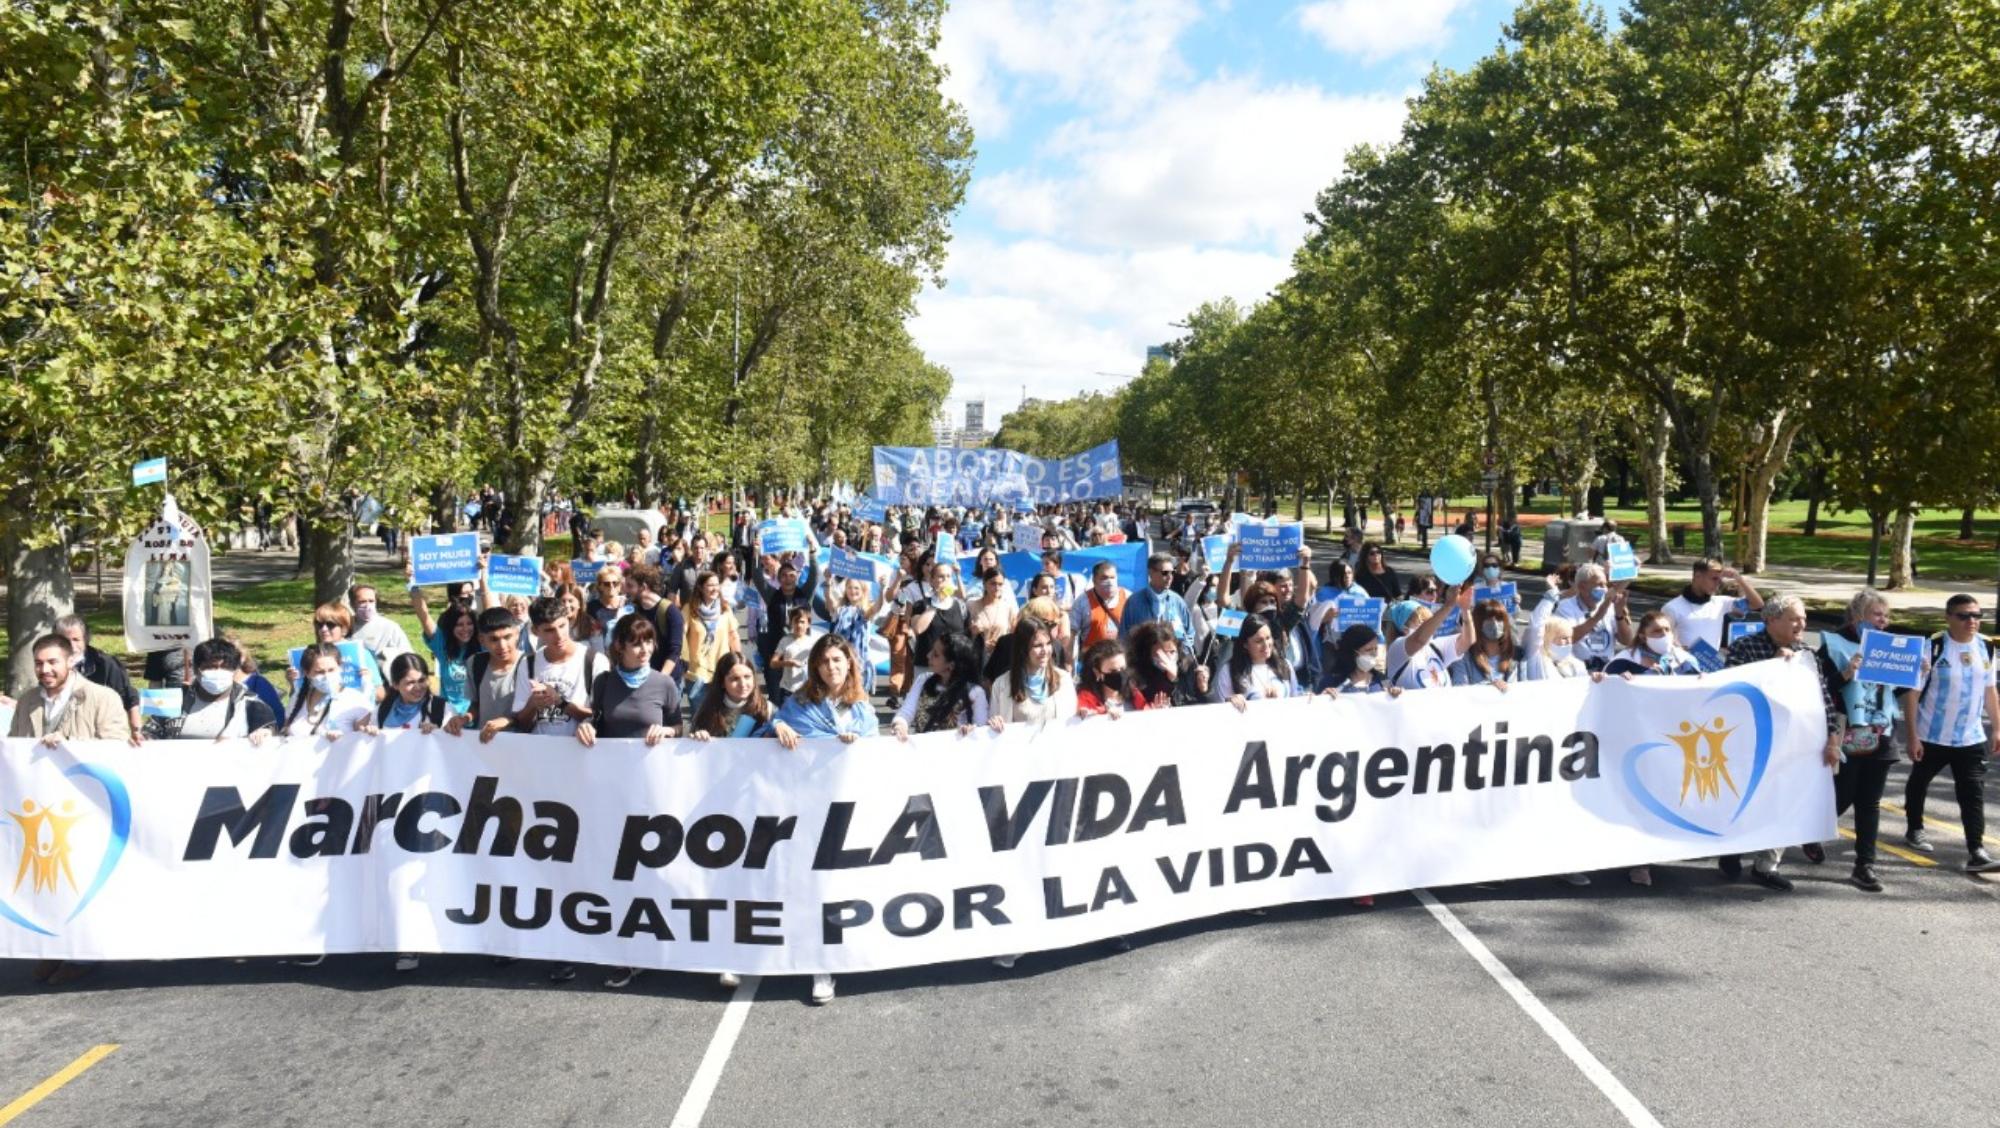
(169, 728)
(1937, 657)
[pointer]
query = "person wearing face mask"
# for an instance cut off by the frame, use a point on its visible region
(1493, 659)
(1418, 657)
(942, 612)
(1161, 672)
(1653, 651)
(1783, 640)
(1100, 691)
(321, 705)
(1604, 623)
(1354, 664)
(218, 706)
(377, 633)
(1096, 617)
(947, 695)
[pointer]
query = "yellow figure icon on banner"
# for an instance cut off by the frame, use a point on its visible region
(45, 845)
(1705, 766)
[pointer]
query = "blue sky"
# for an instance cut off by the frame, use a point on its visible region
(1138, 157)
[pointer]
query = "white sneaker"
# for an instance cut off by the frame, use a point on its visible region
(822, 989)
(730, 979)
(1006, 961)
(406, 962)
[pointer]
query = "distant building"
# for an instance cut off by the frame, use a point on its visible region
(975, 415)
(941, 429)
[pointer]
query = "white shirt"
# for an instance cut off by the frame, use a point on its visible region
(570, 679)
(1600, 643)
(797, 650)
(382, 637)
(1428, 668)
(340, 713)
(1702, 621)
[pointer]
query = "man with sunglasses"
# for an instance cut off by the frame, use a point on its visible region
(1955, 725)
(1157, 602)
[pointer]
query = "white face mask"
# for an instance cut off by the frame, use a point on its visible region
(1660, 645)
(1493, 629)
(1560, 651)
(215, 683)
(1365, 662)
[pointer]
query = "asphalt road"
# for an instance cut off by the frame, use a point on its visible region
(1709, 1003)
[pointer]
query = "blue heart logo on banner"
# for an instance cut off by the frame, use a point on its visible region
(47, 871)
(1711, 797)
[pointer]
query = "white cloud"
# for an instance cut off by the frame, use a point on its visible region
(1373, 30)
(1224, 161)
(1109, 55)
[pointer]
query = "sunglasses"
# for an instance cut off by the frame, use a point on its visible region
(1966, 616)
(322, 624)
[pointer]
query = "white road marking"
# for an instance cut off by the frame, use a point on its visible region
(1628, 1105)
(695, 1103)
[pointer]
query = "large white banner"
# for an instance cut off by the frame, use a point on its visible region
(740, 856)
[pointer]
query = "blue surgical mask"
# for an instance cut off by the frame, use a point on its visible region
(327, 684)
(1493, 575)
(1597, 594)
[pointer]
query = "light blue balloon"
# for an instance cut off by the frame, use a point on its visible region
(1452, 559)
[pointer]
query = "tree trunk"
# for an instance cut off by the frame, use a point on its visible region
(645, 464)
(1509, 510)
(40, 590)
(1576, 487)
(1902, 554)
(1705, 488)
(1329, 510)
(1815, 489)
(1299, 504)
(1965, 530)
(1653, 473)
(1767, 460)
(1875, 523)
(332, 558)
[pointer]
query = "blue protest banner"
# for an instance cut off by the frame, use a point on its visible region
(1021, 567)
(1229, 624)
(779, 535)
(1706, 655)
(514, 575)
(1894, 660)
(1507, 594)
(949, 476)
(1741, 630)
(1215, 551)
(1359, 611)
(145, 474)
(159, 702)
(355, 666)
(585, 571)
(846, 564)
(1624, 564)
(867, 508)
(1270, 546)
(450, 559)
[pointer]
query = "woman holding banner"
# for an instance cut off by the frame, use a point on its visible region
(736, 708)
(947, 695)
(1161, 672)
(1354, 664)
(1035, 689)
(323, 706)
(1653, 651)
(1100, 689)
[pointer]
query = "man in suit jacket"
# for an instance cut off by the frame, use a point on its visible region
(67, 706)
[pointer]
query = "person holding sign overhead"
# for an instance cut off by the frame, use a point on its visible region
(1697, 614)
(1418, 659)
(1603, 622)
(1956, 725)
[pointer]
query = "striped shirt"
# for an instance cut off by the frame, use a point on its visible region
(1952, 708)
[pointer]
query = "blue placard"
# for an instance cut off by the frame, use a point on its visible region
(1894, 660)
(846, 564)
(868, 509)
(145, 474)
(514, 575)
(1624, 563)
(472, 509)
(1229, 624)
(1450, 624)
(1508, 594)
(1359, 611)
(1741, 630)
(779, 535)
(584, 572)
(950, 476)
(159, 702)
(970, 532)
(1706, 655)
(1215, 551)
(353, 664)
(1270, 546)
(451, 559)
